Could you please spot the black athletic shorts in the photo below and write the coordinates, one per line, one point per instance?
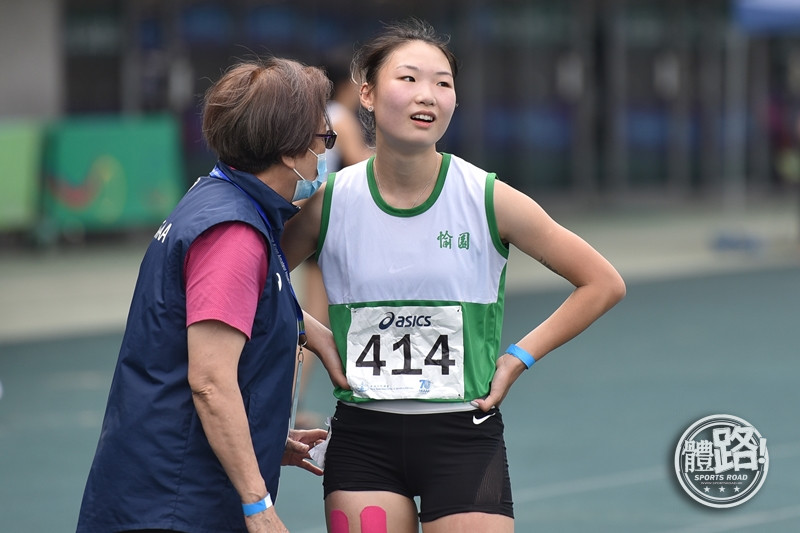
(455, 462)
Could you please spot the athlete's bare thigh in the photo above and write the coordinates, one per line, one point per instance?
(370, 512)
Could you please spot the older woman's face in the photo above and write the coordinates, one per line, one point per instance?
(307, 163)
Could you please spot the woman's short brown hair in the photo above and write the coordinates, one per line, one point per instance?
(261, 110)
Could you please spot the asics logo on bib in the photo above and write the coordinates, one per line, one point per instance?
(404, 321)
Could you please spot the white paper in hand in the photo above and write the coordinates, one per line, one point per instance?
(317, 453)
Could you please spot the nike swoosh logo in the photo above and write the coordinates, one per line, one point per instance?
(476, 420)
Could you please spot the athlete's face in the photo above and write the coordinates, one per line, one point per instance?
(413, 97)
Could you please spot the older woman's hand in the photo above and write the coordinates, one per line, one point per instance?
(298, 444)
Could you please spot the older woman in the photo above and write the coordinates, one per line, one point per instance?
(198, 414)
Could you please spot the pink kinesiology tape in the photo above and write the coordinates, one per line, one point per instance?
(373, 520)
(339, 523)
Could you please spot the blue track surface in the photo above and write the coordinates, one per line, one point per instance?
(591, 429)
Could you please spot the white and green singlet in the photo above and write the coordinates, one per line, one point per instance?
(415, 295)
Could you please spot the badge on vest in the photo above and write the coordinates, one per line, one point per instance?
(406, 352)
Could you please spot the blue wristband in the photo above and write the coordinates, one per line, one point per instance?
(254, 508)
(521, 354)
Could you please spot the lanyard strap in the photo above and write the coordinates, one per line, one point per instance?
(301, 326)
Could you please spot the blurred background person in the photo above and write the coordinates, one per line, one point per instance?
(350, 148)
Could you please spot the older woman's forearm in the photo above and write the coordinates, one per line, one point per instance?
(214, 351)
(225, 424)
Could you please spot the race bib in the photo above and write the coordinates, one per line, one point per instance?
(409, 352)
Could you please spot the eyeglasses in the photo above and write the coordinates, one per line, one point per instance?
(330, 138)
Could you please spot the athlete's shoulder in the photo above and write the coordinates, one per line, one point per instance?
(349, 176)
(461, 174)
(356, 169)
(465, 167)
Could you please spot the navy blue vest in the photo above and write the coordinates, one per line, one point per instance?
(154, 467)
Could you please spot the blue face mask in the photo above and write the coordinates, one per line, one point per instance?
(306, 188)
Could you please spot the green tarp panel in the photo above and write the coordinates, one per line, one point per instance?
(20, 156)
(111, 173)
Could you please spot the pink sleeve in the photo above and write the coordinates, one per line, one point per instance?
(225, 270)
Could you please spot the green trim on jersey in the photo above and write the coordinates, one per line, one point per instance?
(482, 322)
(421, 208)
(325, 217)
(491, 218)
(483, 325)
